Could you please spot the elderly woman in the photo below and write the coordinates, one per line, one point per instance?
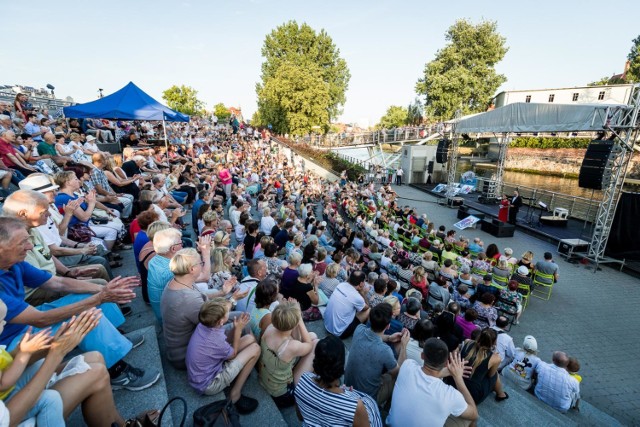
(329, 281)
(322, 401)
(487, 313)
(527, 261)
(283, 358)
(502, 270)
(181, 301)
(69, 185)
(225, 265)
(305, 291)
(275, 265)
(510, 300)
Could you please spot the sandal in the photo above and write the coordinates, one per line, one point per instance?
(500, 399)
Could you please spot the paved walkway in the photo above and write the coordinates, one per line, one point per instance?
(593, 317)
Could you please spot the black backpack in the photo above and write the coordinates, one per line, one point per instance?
(221, 413)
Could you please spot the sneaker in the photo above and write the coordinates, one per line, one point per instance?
(136, 340)
(135, 379)
(246, 405)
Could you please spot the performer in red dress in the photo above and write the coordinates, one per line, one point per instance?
(503, 213)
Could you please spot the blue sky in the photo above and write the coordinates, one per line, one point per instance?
(214, 46)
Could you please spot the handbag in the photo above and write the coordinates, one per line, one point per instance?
(221, 413)
(80, 233)
(154, 418)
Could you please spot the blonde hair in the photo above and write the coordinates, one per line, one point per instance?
(503, 264)
(286, 316)
(266, 212)
(62, 178)
(219, 237)
(332, 270)
(393, 302)
(212, 311)
(218, 257)
(298, 239)
(295, 258)
(528, 255)
(164, 239)
(156, 226)
(183, 261)
(418, 274)
(209, 216)
(428, 256)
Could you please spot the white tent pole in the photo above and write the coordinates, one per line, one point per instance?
(166, 141)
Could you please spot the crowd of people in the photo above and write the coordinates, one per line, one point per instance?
(238, 247)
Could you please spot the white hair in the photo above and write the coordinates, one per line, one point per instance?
(305, 270)
(164, 239)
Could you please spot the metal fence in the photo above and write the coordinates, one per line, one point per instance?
(579, 207)
(382, 136)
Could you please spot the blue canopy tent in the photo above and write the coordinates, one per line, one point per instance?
(129, 103)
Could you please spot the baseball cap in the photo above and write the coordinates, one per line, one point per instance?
(530, 343)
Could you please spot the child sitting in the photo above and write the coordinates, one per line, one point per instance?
(213, 363)
(573, 367)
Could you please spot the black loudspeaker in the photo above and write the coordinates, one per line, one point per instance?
(442, 152)
(430, 166)
(502, 229)
(595, 171)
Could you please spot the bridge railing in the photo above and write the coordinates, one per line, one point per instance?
(383, 136)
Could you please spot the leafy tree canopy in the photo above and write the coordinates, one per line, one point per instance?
(463, 76)
(304, 80)
(395, 117)
(183, 99)
(633, 74)
(221, 112)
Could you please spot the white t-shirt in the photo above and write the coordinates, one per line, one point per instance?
(266, 224)
(437, 399)
(343, 305)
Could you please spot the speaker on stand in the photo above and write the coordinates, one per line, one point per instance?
(442, 152)
(595, 171)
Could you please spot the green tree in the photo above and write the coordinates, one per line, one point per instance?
(415, 113)
(304, 80)
(183, 99)
(395, 117)
(221, 112)
(602, 81)
(462, 76)
(633, 74)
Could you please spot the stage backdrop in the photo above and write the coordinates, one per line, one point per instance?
(624, 239)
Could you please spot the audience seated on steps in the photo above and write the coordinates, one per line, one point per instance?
(80, 295)
(372, 367)
(219, 357)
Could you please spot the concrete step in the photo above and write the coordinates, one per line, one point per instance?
(132, 403)
(523, 408)
(266, 414)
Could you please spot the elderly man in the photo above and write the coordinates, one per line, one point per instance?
(5, 122)
(54, 232)
(166, 243)
(10, 155)
(347, 307)
(103, 188)
(15, 274)
(555, 386)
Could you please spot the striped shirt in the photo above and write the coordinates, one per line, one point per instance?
(320, 408)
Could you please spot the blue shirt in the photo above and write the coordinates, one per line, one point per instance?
(62, 199)
(31, 128)
(141, 240)
(194, 213)
(158, 279)
(12, 283)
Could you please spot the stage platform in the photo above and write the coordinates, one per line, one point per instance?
(527, 218)
(528, 223)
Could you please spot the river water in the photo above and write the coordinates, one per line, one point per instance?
(551, 183)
